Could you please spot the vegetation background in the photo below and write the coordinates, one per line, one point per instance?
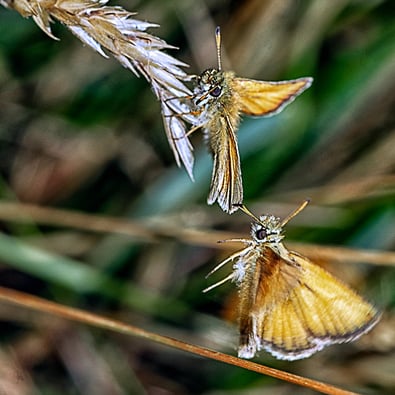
(79, 132)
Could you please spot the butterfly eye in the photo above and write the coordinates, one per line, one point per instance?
(216, 91)
(261, 234)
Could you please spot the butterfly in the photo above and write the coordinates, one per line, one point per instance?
(289, 306)
(219, 98)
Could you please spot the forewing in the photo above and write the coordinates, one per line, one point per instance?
(264, 98)
(318, 311)
(226, 184)
(334, 312)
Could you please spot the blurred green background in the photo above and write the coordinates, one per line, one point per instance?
(79, 132)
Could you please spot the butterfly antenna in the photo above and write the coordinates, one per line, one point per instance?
(218, 44)
(245, 210)
(295, 212)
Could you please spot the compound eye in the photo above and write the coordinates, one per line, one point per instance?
(216, 91)
(261, 234)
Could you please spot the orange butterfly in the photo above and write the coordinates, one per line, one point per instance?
(289, 306)
(220, 97)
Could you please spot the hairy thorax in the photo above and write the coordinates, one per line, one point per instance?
(217, 102)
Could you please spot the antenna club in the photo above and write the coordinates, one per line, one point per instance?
(218, 44)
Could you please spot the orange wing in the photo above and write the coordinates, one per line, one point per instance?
(315, 311)
(264, 98)
(226, 184)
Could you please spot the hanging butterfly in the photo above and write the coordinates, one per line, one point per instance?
(219, 99)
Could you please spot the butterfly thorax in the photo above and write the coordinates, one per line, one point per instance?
(267, 234)
(217, 103)
(267, 276)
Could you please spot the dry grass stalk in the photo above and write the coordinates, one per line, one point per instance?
(112, 29)
(152, 231)
(31, 302)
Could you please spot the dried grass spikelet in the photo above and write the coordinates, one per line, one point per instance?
(114, 29)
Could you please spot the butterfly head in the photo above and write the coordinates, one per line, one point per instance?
(210, 86)
(268, 229)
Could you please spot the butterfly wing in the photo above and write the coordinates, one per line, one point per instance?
(300, 308)
(264, 98)
(226, 184)
(267, 283)
(176, 133)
